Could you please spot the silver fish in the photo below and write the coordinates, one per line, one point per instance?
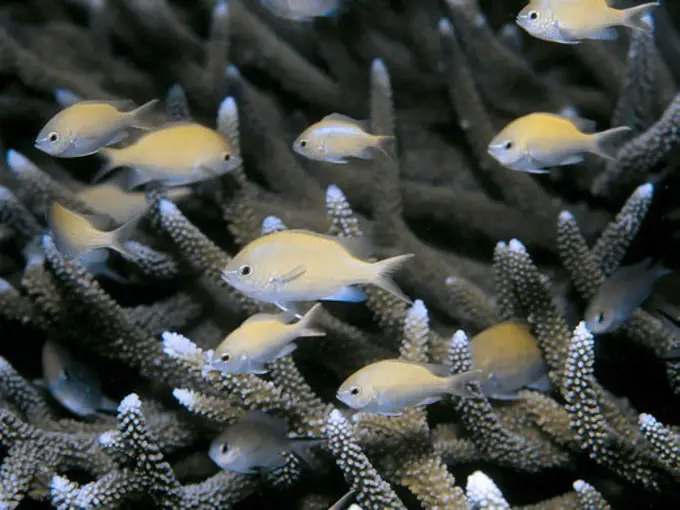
(302, 10)
(299, 265)
(76, 236)
(620, 295)
(178, 154)
(257, 443)
(336, 137)
(74, 385)
(262, 339)
(387, 386)
(85, 127)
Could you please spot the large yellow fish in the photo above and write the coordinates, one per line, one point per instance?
(387, 386)
(571, 21)
(336, 137)
(299, 265)
(87, 126)
(76, 236)
(175, 155)
(539, 141)
(261, 339)
(509, 354)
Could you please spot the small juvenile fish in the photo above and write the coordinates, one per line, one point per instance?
(571, 21)
(87, 126)
(336, 137)
(76, 236)
(299, 265)
(74, 385)
(541, 140)
(261, 339)
(509, 354)
(302, 10)
(111, 199)
(620, 294)
(257, 443)
(175, 155)
(387, 386)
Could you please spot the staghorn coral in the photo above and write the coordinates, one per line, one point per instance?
(491, 245)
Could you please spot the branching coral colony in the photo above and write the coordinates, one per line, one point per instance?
(491, 245)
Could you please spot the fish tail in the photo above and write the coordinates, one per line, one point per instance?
(607, 143)
(384, 271)
(639, 17)
(110, 156)
(309, 318)
(118, 236)
(458, 384)
(302, 446)
(137, 114)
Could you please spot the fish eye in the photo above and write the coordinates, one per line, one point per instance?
(303, 143)
(354, 391)
(600, 317)
(53, 137)
(225, 357)
(534, 15)
(245, 270)
(65, 374)
(226, 156)
(508, 145)
(224, 448)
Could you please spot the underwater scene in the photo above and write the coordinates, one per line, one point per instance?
(339, 254)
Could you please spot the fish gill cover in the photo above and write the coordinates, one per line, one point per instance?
(490, 244)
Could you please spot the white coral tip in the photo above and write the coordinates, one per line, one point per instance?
(645, 190)
(108, 438)
(334, 193)
(61, 484)
(418, 312)
(178, 346)
(130, 403)
(185, 397)
(165, 206)
(17, 161)
(221, 9)
(647, 421)
(227, 107)
(272, 224)
(482, 488)
(566, 216)
(516, 245)
(459, 339)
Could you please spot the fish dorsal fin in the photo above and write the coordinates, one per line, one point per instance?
(438, 369)
(265, 419)
(261, 317)
(582, 124)
(360, 247)
(119, 104)
(339, 117)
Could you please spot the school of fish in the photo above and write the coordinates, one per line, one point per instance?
(292, 268)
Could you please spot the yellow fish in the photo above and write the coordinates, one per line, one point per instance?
(262, 339)
(76, 236)
(509, 354)
(541, 140)
(387, 386)
(175, 155)
(299, 265)
(87, 126)
(571, 21)
(336, 137)
(111, 199)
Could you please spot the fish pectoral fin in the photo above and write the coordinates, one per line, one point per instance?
(335, 159)
(348, 294)
(288, 349)
(572, 160)
(565, 36)
(258, 369)
(119, 137)
(510, 395)
(339, 117)
(385, 413)
(290, 276)
(429, 400)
